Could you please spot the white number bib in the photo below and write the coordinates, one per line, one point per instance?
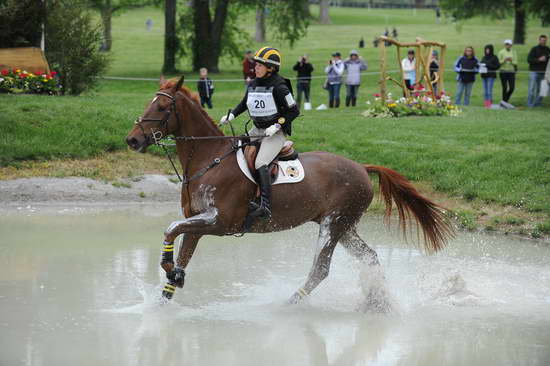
(261, 103)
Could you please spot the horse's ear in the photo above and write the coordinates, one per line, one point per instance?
(162, 80)
(180, 83)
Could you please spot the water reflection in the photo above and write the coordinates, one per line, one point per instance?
(83, 289)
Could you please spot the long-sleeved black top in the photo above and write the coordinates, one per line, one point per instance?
(280, 96)
(534, 55)
(304, 70)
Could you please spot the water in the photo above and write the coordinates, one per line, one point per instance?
(81, 286)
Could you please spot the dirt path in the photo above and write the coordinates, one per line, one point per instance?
(148, 188)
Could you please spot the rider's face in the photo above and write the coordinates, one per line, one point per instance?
(260, 69)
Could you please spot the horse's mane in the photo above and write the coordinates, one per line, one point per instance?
(194, 97)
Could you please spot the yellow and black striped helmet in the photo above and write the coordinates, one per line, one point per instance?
(268, 56)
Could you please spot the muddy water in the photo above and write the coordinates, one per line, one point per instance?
(80, 287)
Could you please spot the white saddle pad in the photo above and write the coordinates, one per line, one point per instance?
(291, 171)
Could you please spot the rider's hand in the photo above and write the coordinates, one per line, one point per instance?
(225, 119)
(272, 130)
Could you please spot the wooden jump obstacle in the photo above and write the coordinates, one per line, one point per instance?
(30, 59)
(423, 54)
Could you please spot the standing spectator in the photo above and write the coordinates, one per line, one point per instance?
(394, 33)
(508, 67)
(304, 69)
(334, 72)
(205, 86)
(434, 70)
(437, 15)
(408, 65)
(538, 59)
(149, 24)
(467, 66)
(248, 67)
(354, 65)
(489, 64)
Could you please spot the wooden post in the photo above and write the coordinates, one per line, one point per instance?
(427, 70)
(403, 85)
(383, 91)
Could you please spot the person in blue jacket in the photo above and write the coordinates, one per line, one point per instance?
(467, 66)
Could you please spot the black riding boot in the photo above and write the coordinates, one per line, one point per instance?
(348, 100)
(331, 103)
(337, 103)
(353, 101)
(264, 209)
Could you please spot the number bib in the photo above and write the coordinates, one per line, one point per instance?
(261, 104)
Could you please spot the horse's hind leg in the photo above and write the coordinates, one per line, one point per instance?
(371, 277)
(358, 248)
(329, 234)
(176, 274)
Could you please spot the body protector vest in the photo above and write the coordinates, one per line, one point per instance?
(261, 106)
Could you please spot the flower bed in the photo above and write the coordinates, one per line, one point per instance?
(21, 81)
(416, 105)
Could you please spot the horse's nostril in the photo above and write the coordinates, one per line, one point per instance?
(132, 142)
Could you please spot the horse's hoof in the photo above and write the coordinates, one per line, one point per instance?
(294, 299)
(176, 277)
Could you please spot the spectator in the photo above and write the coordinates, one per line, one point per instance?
(394, 33)
(408, 65)
(334, 72)
(437, 15)
(467, 66)
(149, 24)
(538, 59)
(205, 86)
(434, 70)
(354, 65)
(362, 43)
(488, 67)
(546, 91)
(304, 69)
(248, 67)
(508, 67)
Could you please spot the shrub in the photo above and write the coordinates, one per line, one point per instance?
(72, 45)
(21, 23)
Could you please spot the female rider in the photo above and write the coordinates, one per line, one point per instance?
(272, 108)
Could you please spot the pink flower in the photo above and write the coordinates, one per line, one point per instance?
(5, 72)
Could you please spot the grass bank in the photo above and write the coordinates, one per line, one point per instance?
(493, 167)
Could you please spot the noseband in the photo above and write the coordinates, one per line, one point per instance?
(157, 135)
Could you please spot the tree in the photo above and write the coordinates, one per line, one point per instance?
(170, 37)
(212, 28)
(464, 9)
(108, 8)
(21, 23)
(260, 23)
(324, 6)
(72, 45)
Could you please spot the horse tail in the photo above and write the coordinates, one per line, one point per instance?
(435, 225)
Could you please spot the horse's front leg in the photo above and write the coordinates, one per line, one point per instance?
(193, 228)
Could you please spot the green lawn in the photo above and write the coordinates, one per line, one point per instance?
(494, 156)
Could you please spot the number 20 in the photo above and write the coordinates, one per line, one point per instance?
(259, 104)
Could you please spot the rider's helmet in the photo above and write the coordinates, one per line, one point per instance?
(268, 56)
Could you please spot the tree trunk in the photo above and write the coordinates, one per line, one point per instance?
(208, 34)
(306, 11)
(170, 38)
(519, 22)
(106, 16)
(260, 23)
(324, 17)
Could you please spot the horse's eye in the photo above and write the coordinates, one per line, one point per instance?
(160, 108)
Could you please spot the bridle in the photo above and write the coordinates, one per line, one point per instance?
(157, 135)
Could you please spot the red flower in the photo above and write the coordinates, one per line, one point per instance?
(5, 72)
(377, 95)
(23, 75)
(53, 73)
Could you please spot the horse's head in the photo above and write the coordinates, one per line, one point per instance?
(159, 120)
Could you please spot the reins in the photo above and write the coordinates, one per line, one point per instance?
(157, 140)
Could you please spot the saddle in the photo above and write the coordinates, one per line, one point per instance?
(287, 153)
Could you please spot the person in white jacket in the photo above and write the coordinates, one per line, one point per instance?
(354, 66)
(334, 71)
(408, 65)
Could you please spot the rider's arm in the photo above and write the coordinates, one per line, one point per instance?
(284, 99)
(241, 107)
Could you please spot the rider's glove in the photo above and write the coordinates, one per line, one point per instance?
(273, 129)
(226, 119)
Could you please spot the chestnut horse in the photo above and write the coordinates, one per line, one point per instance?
(215, 194)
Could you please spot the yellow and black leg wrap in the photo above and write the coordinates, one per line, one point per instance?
(167, 253)
(168, 291)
